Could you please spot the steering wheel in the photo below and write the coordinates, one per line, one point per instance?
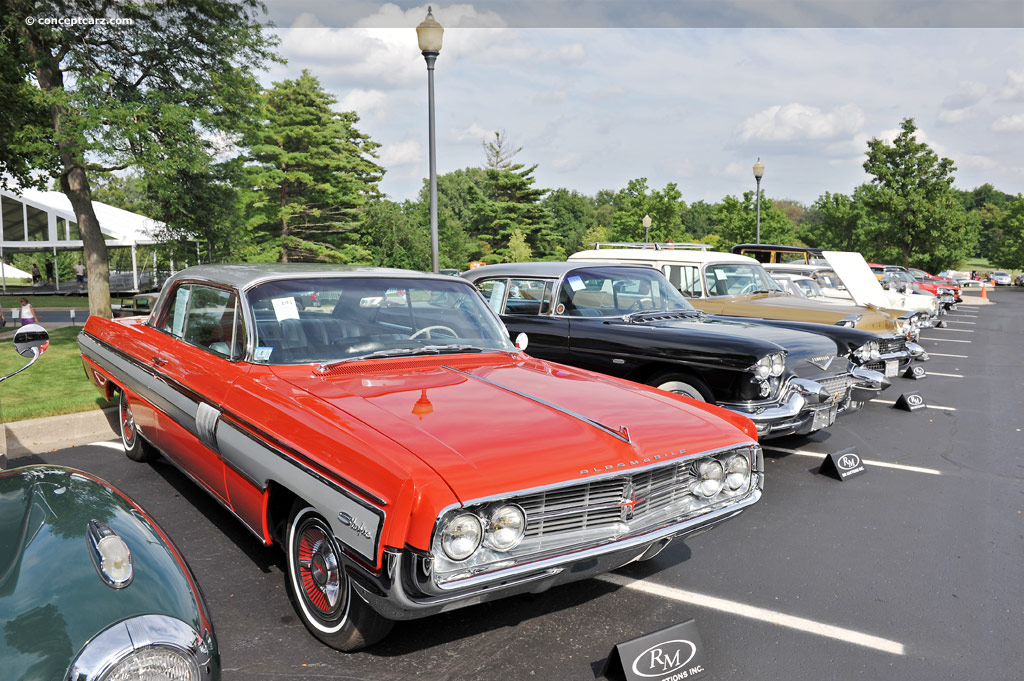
(638, 305)
(427, 329)
(750, 286)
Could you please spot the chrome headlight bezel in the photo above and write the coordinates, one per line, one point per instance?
(772, 365)
(868, 352)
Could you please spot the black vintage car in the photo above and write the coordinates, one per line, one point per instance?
(631, 322)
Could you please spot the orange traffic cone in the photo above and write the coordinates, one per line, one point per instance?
(984, 289)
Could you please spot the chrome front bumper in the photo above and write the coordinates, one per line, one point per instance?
(404, 589)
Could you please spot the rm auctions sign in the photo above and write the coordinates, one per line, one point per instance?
(672, 654)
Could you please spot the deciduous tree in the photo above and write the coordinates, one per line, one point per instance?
(142, 84)
(911, 197)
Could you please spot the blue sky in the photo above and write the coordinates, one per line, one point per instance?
(595, 106)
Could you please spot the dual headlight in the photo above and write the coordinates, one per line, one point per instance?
(501, 529)
(868, 352)
(715, 476)
(769, 365)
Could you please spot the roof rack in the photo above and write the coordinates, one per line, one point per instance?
(657, 246)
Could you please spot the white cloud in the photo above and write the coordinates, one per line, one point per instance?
(401, 153)
(1013, 91)
(569, 161)
(968, 94)
(797, 122)
(1011, 123)
(365, 102)
(573, 52)
(954, 116)
(474, 133)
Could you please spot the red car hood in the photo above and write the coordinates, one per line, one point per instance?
(490, 424)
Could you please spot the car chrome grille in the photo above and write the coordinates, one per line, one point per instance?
(601, 511)
(837, 386)
(639, 500)
(890, 345)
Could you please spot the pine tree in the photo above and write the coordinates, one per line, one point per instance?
(312, 171)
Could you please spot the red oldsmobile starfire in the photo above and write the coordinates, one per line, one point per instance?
(381, 427)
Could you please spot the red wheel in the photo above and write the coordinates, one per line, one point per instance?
(320, 587)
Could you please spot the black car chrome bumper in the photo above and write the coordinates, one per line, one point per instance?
(404, 589)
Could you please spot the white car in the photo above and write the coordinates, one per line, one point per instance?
(1000, 278)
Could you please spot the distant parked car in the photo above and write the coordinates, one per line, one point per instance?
(1018, 280)
(1000, 278)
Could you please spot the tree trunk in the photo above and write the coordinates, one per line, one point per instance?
(74, 182)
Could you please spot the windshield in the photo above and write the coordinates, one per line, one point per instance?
(737, 279)
(617, 291)
(310, 320)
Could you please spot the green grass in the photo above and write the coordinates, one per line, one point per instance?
(56, 384)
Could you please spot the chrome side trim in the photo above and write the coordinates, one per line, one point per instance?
(147, 393)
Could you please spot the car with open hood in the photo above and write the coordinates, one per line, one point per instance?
(404, 454)
(893, 293)
(629, 321)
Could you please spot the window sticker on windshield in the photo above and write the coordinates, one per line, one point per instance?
(284, 308)
(180, 306)
(575, 283)
(262, 354)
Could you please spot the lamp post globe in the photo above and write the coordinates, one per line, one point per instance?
(758, 174)
(647, 228)
(429, 34)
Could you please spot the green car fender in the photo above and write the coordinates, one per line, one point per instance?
(57, 608)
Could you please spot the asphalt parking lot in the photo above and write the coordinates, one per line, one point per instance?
(913, 570)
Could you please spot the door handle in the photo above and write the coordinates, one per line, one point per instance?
(159, 362)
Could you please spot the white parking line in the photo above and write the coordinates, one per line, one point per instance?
(973, 316)
(935, 354)
(927, 406)
(952, 329)
(108, 444)
(761, 614)
(954, 321)
(869, 462)
(936, 373)
(947, 340)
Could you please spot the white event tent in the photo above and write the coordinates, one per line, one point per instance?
(33, 220)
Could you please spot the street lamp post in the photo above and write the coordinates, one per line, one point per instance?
(429, 34)
(647, 228)
(758, 174)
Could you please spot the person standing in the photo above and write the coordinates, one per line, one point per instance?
(28, 313)
(79, 269)
(49, 271)
(36, 276)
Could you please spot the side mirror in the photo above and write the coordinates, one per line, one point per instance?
(31, 341)
(522, 340)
